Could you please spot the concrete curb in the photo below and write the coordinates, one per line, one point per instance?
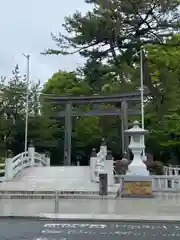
(72, 196)
(52, 197)
(17, 194)
(98, 218)
(51, 192)
(111, 217)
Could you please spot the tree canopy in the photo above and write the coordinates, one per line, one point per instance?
(12, 116)
(110, 37)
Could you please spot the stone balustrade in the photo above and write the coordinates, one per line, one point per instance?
(169, 182)
(2, 172)
(172, 170)
(102, 162)
(160, 183)
(97, 163)
(14, 165)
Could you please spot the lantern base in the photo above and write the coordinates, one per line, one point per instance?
(137, 170)
(137, 187)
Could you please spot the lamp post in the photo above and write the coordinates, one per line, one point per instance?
(27, 102)
(142, 97)
(142, 89)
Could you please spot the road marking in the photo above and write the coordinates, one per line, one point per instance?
(66, 225)
(126, 230)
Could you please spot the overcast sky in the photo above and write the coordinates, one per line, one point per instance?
(25, 28)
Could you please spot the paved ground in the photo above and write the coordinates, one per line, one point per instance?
(68, 178)
(77, 178)
(162, 206)
(54, 230)
(53, 178)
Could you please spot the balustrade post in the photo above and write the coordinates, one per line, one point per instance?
(48, 160)
(104, 148)
(56, 202)
(170, 171)
(166, 183)
(8, 169)
(109, 168)
(31, 152)
(93, 164)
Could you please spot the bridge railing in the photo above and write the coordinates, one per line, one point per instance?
(97, 162)
(172, 170)
(14, 165)
(41, 159)
(2, 172)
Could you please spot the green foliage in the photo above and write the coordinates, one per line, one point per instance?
(66, 83)
(156, 168)
(85, 130)
(163, 113)
(113, 32)
(12, 116)
(117, 25)
(109, 37)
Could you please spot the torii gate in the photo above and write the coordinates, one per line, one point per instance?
(96, 100)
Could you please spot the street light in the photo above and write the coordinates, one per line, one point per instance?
(142, 96)
(27, 102)
(141, 89)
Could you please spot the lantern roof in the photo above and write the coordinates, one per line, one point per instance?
(136, 130)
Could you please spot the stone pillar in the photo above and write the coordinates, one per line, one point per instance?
(103, 184)
(67, 134)
(103, 151)
(48, 159)
(93, 165)
(31, 152)
(109, 168)
(104, 147)
(8, 169)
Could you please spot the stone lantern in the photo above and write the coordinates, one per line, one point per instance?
(137, 167)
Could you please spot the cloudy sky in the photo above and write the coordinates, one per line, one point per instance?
(26, 27)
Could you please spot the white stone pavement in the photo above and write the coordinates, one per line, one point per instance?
(53, 178)
(77, 178)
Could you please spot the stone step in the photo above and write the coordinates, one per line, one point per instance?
(53, 193)
(47, 196)
(16, 194)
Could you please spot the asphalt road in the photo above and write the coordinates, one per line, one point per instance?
(15, 229)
